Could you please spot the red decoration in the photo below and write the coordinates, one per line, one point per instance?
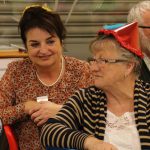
(127, 36)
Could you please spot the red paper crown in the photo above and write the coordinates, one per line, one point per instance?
(127, 36)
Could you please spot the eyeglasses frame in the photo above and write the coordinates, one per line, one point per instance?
(144, 27)
(105, 61)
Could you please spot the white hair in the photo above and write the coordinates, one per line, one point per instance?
(136, 12)
(108, 42)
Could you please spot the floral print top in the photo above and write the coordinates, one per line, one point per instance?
(20, 84)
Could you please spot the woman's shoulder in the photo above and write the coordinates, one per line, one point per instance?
(142, 87)
(91, 95)
(19, 66)
(91, 91)
(72, 62)
(17, 69)
(20, 63)
(142, 84)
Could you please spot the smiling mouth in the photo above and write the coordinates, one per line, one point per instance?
(98, 76)
(45, 57)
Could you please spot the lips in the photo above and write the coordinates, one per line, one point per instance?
(44, 57)
(97, 76)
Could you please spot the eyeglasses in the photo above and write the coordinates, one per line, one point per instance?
(104, 61)
(144, 27)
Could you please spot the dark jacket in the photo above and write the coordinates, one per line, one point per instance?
(145, 73)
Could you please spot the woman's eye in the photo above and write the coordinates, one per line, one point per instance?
(50, 41)
(34, 44)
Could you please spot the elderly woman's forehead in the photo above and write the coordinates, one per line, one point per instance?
(101, 45)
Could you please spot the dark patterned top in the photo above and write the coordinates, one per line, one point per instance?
(145, 72)
(84, 114)
(20, 84)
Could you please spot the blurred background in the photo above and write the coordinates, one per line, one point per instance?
(82, 18)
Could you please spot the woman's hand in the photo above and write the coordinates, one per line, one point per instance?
(29, 105)
(42, 112)
(92, 143)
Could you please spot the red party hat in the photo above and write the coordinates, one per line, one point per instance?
(127, 36)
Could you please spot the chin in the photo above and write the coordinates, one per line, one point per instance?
(98, 84)
(44, 64)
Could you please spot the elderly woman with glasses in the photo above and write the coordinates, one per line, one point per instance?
(115, 113)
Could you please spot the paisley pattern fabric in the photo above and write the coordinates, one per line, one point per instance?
(20, 84)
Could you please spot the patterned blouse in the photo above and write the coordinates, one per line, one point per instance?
(20, 84)
(85, 114)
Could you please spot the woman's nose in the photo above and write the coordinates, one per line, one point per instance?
(44, 48)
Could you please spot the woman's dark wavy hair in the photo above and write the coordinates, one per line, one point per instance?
(37, 16)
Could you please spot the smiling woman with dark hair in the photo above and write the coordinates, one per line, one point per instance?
(115, 113)
(34, 89)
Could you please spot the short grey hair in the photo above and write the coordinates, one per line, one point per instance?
(105, 41)
(131, 56)
(136, 12)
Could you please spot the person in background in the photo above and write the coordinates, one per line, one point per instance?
(108, 115)
(34, 89)
(141, 13)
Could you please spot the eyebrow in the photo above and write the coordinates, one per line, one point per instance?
(52, 36)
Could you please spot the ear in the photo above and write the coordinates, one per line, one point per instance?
(129, 68)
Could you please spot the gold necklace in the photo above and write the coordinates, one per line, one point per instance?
(60, 75)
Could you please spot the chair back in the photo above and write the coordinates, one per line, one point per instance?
(7, 138)
(11, 138)
(4, 145)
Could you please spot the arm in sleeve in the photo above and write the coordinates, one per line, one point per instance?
(10, 112)
(65, 130)
(148, 106)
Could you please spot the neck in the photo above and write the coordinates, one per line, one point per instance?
(124, 90)
(49, 76)
(120, 99)
(120, 91)
(48, 71)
